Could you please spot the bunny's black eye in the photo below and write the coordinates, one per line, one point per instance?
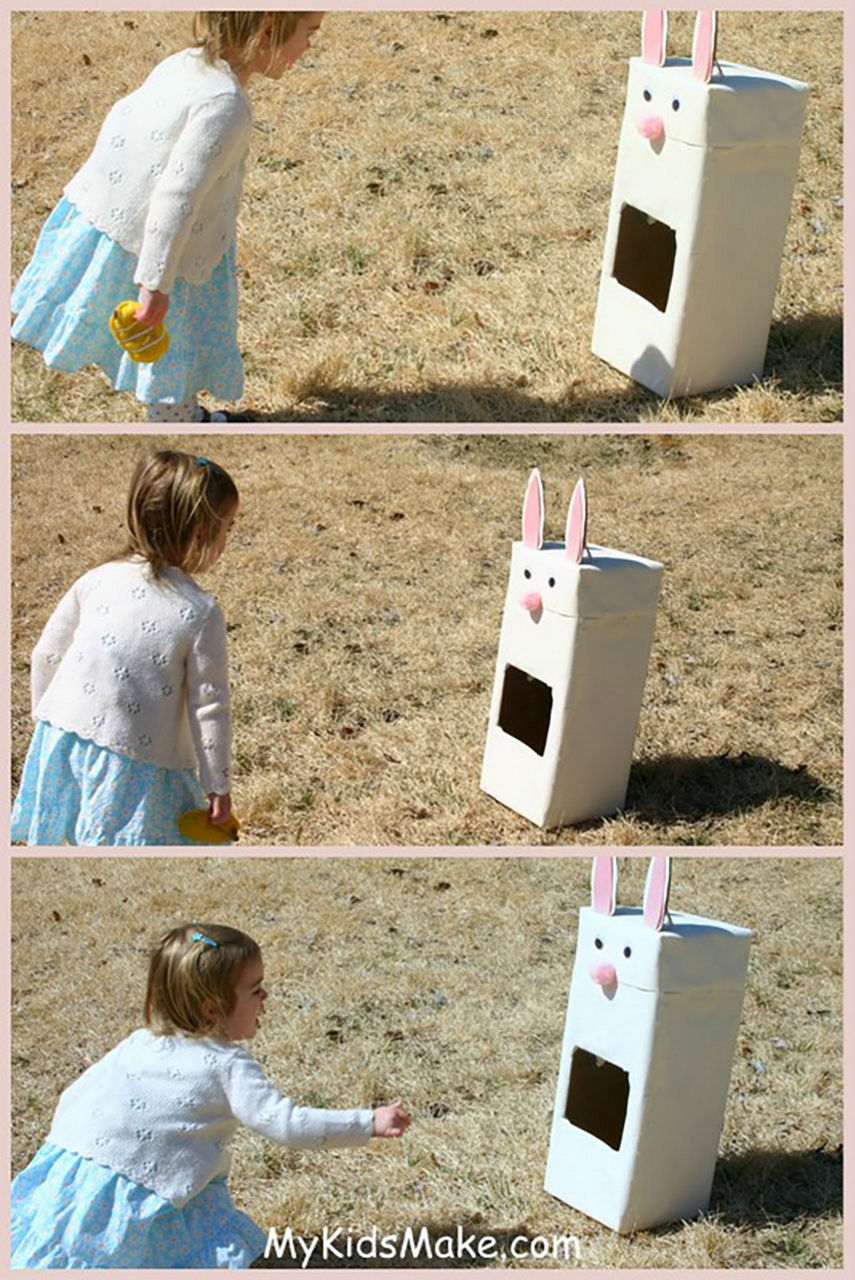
(598, 943)
(648, 96)
(675, 104)
(526, 573)
(627, 951)
(552, 582)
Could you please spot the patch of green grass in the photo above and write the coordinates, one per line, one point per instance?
(357, 259)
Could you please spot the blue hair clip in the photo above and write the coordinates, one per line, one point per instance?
(202, 937)
(206, 462)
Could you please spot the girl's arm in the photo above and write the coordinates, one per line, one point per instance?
(53, 644)
(208, 704)
(257, 1104)
(211, 144)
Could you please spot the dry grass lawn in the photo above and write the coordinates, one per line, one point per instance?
(446, 983)
(363, 587)
(424, 213)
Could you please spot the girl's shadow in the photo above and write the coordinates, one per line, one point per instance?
(804, 357)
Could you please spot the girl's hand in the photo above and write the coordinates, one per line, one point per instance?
(391, 1121)
(152, 308)
(219, 808)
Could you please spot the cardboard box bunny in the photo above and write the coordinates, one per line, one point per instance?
(574, 646)
(706, 166)
(652, 1019)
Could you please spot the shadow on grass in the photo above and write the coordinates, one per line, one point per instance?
(691, 788)
(804, 357)
(437, 1246)
(759, 1190)
(453, 402)
(768, 1187)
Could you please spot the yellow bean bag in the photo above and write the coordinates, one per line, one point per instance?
(144, 345)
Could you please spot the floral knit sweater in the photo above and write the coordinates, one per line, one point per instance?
(162, 1110)
(139, 665)
(164, 179)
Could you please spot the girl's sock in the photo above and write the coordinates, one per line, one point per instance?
(188, 410)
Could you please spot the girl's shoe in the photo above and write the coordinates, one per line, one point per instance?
(219, 415)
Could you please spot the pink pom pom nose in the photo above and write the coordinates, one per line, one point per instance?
(532, 601)
(603, 974)
(650, 127)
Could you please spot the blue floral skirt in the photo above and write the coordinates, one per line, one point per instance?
(75, 792)
(75, 279)
(69, 1212)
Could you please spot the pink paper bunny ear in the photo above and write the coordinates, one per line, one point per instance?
(703, 45)
(577, 524)
(604, 886)
(532, 514)
(654, 35)
(656, 892)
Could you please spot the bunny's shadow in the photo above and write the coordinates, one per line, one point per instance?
(777, 1187)
(691, 788)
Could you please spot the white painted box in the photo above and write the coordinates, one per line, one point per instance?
(706, 166)
(652, 1019)
(574, 646)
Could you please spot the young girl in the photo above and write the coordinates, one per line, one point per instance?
(133, 1170)
(153, 212)
(129, 678)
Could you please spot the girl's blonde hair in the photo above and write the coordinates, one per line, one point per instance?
(236, 36)
(176, 507)
(191, 978)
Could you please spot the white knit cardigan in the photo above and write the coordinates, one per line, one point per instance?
(139, 665)
(162, 1110)
(164, 180)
